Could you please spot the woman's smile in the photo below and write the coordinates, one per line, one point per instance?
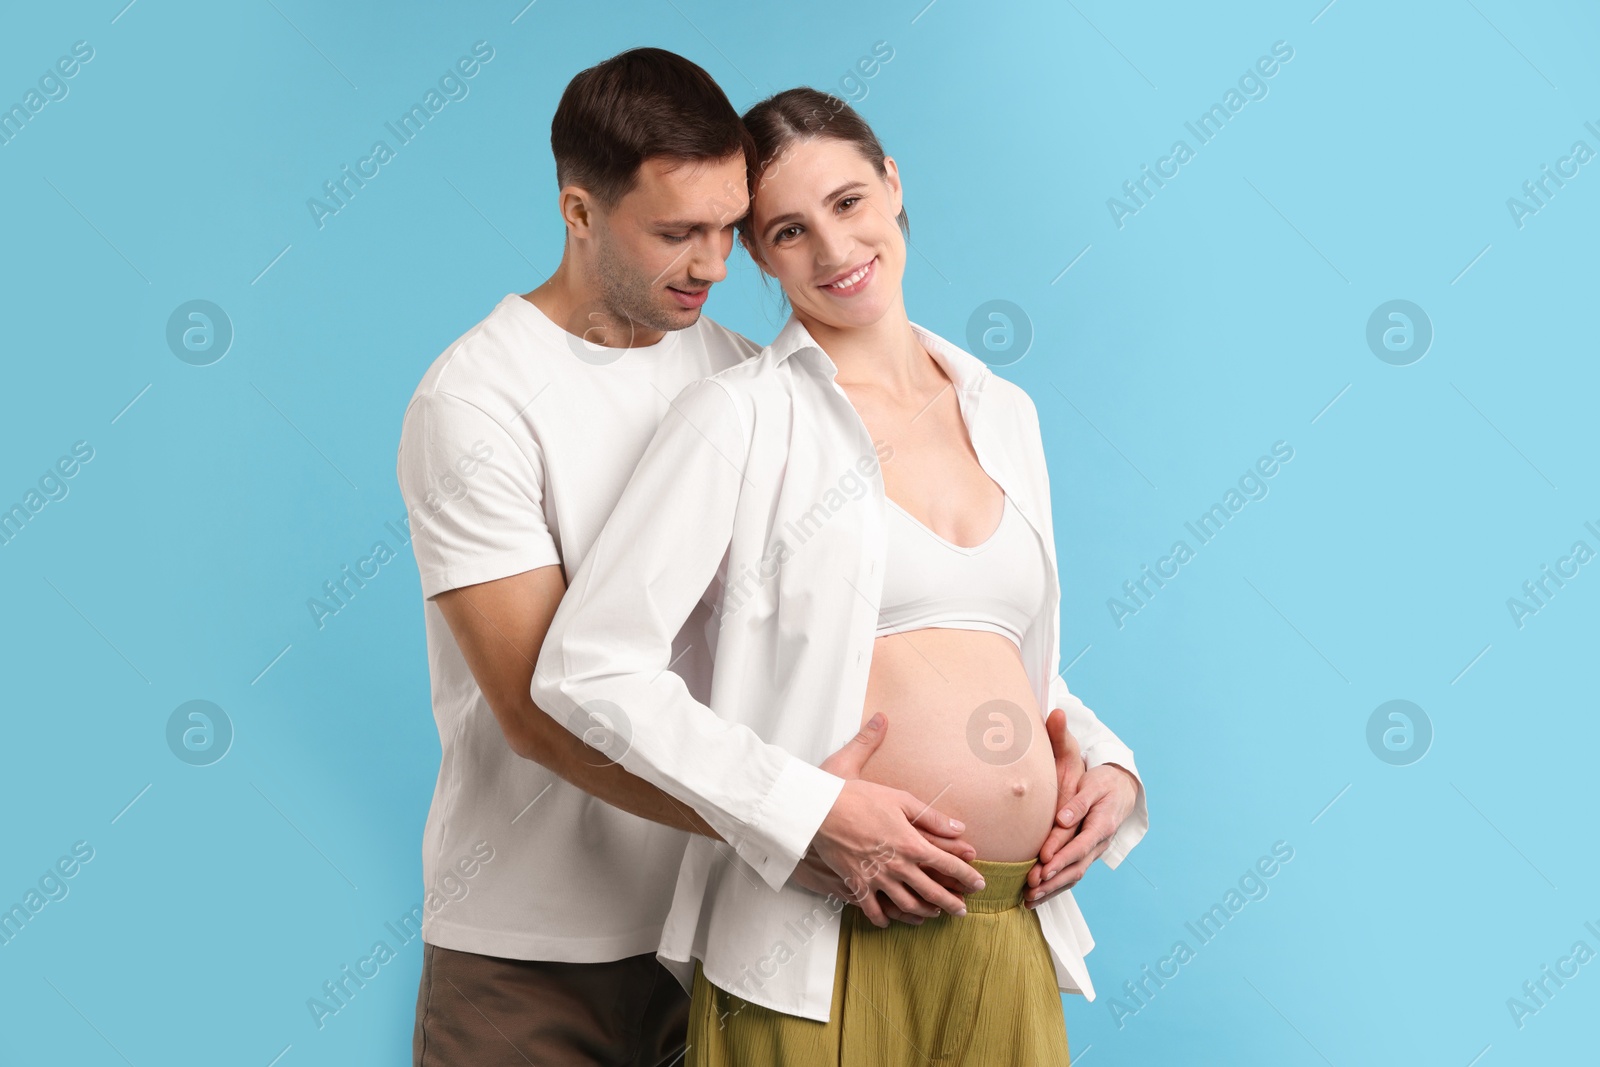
(852, 281)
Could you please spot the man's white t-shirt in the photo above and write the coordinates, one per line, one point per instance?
(514, 450)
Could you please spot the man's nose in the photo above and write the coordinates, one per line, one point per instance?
(707, 263)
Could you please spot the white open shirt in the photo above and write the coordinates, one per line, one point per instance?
(763, 485)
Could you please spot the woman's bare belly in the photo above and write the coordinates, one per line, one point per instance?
(965, 735)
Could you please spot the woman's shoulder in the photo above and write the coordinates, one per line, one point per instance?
(724, 407)
(750, 381)
(1005, 396)
(1011, 396)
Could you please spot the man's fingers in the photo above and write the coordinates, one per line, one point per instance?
(894, 914)
(848, 760)
(868, 903)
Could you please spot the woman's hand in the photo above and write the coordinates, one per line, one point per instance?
(1104, 797)
(1070, 769)
(906, 876)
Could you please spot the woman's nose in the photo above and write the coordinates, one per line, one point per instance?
(833, 247)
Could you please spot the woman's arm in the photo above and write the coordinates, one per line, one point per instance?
(604, 670)
(1099, 745)
(605, 674)
(499, 626)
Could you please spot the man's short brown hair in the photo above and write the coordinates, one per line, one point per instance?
(638, 104)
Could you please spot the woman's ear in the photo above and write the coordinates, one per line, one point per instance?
(891, 178)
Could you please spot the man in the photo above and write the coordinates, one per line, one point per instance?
(550, 869)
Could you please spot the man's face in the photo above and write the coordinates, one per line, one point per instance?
(661, 247)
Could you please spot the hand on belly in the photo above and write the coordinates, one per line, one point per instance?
(965, 735)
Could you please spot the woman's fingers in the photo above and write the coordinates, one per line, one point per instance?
(1053, 842)
(1066, 752)
(902, 896)
(1062, 880)
(1081, 802)
(930, 819)
(956, 846)
(1065, 871)
(929, 890)
(847, 761)
(941, 879)
(1070, 865)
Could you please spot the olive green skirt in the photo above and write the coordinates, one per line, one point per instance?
(977, 990)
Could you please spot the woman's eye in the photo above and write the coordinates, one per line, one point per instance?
(785, 232)
(847, 201)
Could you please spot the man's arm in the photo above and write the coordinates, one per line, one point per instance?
(499, 627)
(487, 558)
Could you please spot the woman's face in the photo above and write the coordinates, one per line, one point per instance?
(820, 217)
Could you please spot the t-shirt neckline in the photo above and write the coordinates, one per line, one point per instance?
(554, 332)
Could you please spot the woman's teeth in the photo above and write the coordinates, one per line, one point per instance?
(848, 282)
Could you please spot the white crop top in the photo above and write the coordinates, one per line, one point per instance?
(997, 586)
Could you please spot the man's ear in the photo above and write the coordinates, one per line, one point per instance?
(577, 210)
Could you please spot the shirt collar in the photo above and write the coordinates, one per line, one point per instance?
(968, 372)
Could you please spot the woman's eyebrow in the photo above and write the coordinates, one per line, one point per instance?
(795, 216)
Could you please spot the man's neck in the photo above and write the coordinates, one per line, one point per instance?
(572, 302)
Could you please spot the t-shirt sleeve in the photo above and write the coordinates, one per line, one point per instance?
(474, 498)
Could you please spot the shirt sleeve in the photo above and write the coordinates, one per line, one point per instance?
(474, 499)
(605, 672)
(1100, 746)
(1095, 739)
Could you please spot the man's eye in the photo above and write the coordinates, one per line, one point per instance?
(676, 238)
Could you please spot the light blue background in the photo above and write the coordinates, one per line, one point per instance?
(1228, 314)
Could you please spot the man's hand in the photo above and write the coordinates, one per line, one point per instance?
(1105, 797)
(876, 841)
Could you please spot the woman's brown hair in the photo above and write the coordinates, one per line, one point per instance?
(799, 114)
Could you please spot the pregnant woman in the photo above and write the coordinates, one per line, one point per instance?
(870, 508)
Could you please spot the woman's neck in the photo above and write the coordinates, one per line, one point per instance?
(885, 355)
